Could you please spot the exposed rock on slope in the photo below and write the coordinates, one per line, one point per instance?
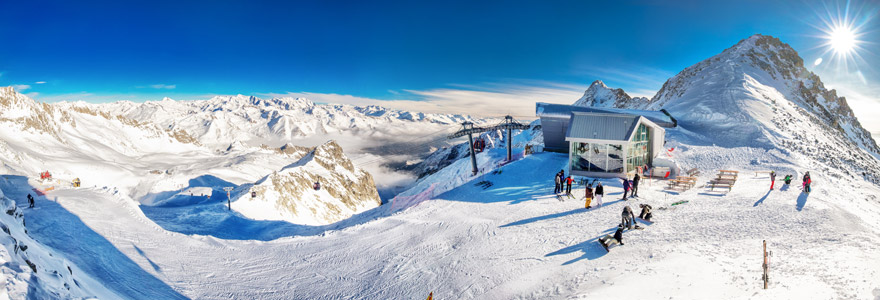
(600, 95)
(289, 194)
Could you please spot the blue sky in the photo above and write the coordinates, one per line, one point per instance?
(370, 51)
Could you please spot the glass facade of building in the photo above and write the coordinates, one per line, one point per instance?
(638, 152)
(596, 157)
(610, 158)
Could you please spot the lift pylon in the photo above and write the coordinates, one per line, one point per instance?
(467, 128)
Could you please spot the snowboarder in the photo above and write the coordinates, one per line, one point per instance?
(588, 196)
(317, 185)
(807, 182)
(568, 181)
(600, 191)
(635, 186)
(772, 179)
(608, 240)
(625, 188)
(628, 217)
(646, 212)
(30, 201)
(558, 184)
(787, 179)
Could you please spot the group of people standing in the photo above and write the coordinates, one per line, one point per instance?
(805, 183)
(631, 185)
(563, 183)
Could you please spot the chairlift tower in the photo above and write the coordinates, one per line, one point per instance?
(228, 198)
(509, 124)
(467, 128)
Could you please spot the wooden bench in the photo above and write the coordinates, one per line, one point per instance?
(693, 172)
(713, 185)
(728, 172)
(691, 181)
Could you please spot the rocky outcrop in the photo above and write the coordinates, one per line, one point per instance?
(600, 95)
(290, 194)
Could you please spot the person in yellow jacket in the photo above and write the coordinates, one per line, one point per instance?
(588, 196)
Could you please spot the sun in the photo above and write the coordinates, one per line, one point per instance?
(842, 40)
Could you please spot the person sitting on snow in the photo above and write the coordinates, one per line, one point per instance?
(646, 212)
(787, 179)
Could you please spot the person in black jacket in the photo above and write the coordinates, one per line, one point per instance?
(629, 218)
(598, 193)
(635, 187)
(30, 201)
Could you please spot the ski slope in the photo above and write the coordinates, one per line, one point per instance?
(513, 240)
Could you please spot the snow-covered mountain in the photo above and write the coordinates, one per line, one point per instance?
(600, 95)
(222, 120)
(751, 84)
(758, 93)
(289, 193)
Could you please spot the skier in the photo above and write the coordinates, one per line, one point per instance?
(625, 188)
(30, 201)
(568, 181)
(646, 212)
(317, 185)
(588, 196)
(807, 182)
(628, 217)
(772, 179)
(600, 191)
(635, 186)
(558, 184)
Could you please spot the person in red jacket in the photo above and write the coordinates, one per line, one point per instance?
(568, 182)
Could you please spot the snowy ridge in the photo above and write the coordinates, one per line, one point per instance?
(753, 77)
(222, 120)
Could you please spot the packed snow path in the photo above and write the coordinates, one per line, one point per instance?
(512, 240)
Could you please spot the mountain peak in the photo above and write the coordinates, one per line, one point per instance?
(754, 86)
(600, 95)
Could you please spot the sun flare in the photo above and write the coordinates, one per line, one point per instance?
(842, 39)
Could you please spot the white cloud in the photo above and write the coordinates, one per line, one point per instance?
(21, 87)
(486, 100)
(160, 86)
(39, 82)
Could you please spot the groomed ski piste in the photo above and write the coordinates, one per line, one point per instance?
(513, 240)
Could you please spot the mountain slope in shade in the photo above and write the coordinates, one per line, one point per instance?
(600, 95)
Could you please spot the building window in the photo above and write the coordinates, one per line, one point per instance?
(638, 154)
(596, 157)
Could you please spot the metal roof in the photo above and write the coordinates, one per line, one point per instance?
(564, 111)
(601, 126)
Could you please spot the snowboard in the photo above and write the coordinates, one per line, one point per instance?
(645, 221)
(608, 242)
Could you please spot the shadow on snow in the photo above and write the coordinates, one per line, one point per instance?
(56, 227)
(197, 215)
(590, 249)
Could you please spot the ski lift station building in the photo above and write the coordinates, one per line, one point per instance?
(604, 142)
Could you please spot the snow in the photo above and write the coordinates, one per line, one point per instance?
(139, 228)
